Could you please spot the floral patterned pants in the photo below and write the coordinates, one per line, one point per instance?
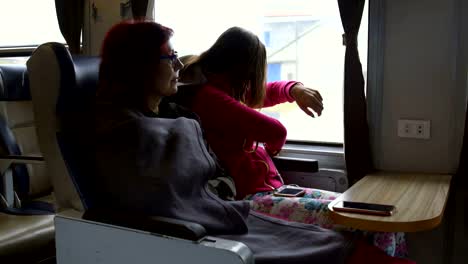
(312, 208)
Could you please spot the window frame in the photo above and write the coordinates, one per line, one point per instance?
(25, 51)
(375, 74)
(331, 155)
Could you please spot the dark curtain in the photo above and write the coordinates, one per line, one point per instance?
(139, 8)
(70, 15)
(461, 177)
(457, 187)
(356, 129)
(460, 180)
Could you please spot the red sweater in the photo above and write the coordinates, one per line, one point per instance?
(232, 129)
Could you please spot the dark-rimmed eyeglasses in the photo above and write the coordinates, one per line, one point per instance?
(172, 58)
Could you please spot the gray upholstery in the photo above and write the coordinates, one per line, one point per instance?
(26, 237)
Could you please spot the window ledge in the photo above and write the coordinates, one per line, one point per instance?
(16, 51)
(295, 148)
(330, 157)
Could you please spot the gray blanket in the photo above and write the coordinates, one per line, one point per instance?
(160, 166)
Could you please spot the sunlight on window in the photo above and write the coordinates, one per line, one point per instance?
(28, 23)
(303, 40)
(13, 60)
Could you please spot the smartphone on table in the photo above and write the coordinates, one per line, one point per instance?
(364, 208)
(290, 192)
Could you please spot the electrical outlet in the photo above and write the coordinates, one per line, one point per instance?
(420, 129)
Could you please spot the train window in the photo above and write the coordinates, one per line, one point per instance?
(13, 60)
(28, 23)
(303, 40)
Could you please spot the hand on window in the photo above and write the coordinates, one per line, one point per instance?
(307, 98)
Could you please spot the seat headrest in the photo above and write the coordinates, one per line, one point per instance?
(14, 83)
(80, 90)
(78, 79)
(74, 100)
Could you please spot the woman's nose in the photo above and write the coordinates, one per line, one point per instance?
(178, 64)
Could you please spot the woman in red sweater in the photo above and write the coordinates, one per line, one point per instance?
(232, 74)
(234, 68)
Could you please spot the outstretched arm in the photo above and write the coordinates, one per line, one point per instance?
(278, 92)
(308, 99)
(221, 112)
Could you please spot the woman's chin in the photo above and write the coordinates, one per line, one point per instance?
(171, 90)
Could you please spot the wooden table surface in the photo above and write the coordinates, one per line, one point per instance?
(419, 200)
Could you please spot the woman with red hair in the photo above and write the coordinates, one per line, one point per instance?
(138, 65)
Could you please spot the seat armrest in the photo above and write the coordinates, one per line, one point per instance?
(154, 224)
(8, 197)
(295, 164)
(21, 159)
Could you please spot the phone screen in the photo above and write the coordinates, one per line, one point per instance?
(368, 206)
(291, 191)
(365, 208)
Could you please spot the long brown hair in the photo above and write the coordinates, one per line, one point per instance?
(241, 57)
(129, 55)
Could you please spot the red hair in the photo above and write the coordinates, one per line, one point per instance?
(129, 54)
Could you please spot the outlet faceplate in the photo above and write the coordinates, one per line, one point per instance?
(420, 129)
